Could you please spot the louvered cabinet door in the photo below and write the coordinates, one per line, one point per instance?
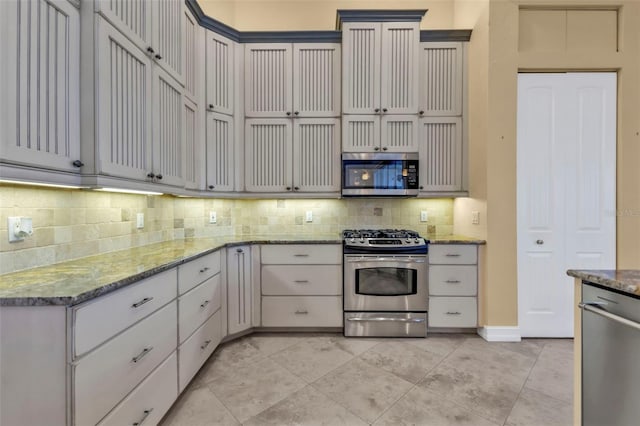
(316, 154)
(268, 81)
(361, 49)
(441, 78)
(193, 147)
(220, 152)
(399, 133)
(441, 154)
(39, 113)
(220, 76)
(194, 51)
(360, 133)
(400, 65)
(167, 129)
(124, 106)
(268, 155)
(168, 35)
(316, 80)
(131, 17)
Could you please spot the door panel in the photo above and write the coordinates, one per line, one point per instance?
(441, 78)
(316, 154)
(441, 154)
(167, 129)
(220, 75)
(361, 48)
(360, 133)
(316, 80)
(220, 152)
(268, 86)
(399, 71)
(399, 133)
(131, 17)
(268, 156)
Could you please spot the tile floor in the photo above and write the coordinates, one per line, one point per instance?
(326, 379)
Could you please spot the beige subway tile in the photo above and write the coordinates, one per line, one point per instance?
(61, 217)
(77, 216)
(6, 262)
(44, 236)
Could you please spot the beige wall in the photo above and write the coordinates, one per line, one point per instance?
(269, 15)
(70, 224)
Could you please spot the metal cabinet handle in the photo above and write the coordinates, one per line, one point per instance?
(591, 307)
(158, 57)
(211, 186)
(239, 251)
(297, 113)
(288, 188)
(301, 281)
(384, 148)
(452, 313)
(302, 312)
(300, 255)
(452, 281)
(210, 106)
(142, 354)
(420, 112)
(384, 110)
(150, 175)
(142, 302)
(539, 242)
(159, 177)
(288, 113)
(377, 148)
(206, 343)
(205, 269)
(452, 255)
(77, 163)
(144, 417)
(378, 319)
(205, 303)
(295, 188)
(150, 49)
(376, 110)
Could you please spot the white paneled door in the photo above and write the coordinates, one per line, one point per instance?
(566, 185)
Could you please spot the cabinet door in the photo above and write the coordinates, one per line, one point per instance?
(400, 63)
(399, 133)
(168, 35)
(316, 80)
(131, 17)
(194, 52)
(441, 78)
(239, 304)
(441, 154)
(39, 115)
(193, 158)
(124, 106)
(316, 154)
(220, 152)
(167, 129)
(220, 76)
(361, 48)
(268, 84)
(268, 156)
(360, 133)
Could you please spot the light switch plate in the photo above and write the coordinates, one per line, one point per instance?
(475, 217)
(309, 216)
(424, 216)
(140, 220)
(213, 217)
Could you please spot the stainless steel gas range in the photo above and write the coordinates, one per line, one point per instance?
(385, 283)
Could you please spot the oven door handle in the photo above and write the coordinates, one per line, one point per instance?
(385, 259)
(379, 319)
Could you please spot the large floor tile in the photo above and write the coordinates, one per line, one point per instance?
(534, 408)
(228, 356)
(270, 343)
(363, 389)
(553, 372)
(252, 388)
(199, 407)
(307, 407)
(402, 359)
(440, 344)
(422, 407)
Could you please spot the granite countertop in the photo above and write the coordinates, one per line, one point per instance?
(73, 282)
(625, 280)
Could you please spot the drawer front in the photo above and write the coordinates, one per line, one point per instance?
(193, 273)
(297, 254)
(122, 308)
(453, 254)
(458, 280)
(302, 311)
(299, 280)
(149, 402)
(198, 305)
(108, 374)
(197, 349)
(453, 312)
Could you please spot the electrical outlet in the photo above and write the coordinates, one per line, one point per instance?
(424, 216)
(475, 217)
(140, 220)
(309, 216)
(213, 217)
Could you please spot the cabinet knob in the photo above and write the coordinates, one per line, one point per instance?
(384, 148)
(150, 49)
(384, 110)
(239, 250)
(158, 57)
(288, 188)
(211, 186)
(150, 175)
(295, 188)
(288, 113)
(421, 187)
(210, 106)
(539, 242)
(77, 163)
(376, 110)
(296, 113)
(159, 177)
(421, 112)
(377, 148)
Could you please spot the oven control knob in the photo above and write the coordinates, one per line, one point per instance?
(408, 241)
(353, 240)
(416, 241)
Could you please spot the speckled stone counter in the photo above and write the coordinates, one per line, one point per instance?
(625, 280)
(455, 239)
(72, 282)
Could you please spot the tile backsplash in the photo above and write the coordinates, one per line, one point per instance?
(70, 224)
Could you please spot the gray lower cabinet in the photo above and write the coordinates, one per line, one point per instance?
(239, 289)
(453, 285)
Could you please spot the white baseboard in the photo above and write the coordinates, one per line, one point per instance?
(500, 334)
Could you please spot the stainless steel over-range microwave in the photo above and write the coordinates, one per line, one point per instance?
(380, 174)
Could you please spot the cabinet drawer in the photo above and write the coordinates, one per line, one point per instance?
(197, 349)
(104, 317)
(109, 373)
(302, 311)
(198, 305)
(297, 280)
(453, 254)
(455, 280)
(193, 273)
(150, 400)
(453, 312)
(292, 254)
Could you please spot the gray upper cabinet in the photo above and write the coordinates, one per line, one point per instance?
(316, 80)
(268, 82)
(220, 73)
(441, 74)
(221, 153)
(441, 154)
(40, 84)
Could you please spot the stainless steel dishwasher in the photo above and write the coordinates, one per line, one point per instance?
(610, 357)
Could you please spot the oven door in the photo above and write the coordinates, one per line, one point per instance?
(385, 283)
